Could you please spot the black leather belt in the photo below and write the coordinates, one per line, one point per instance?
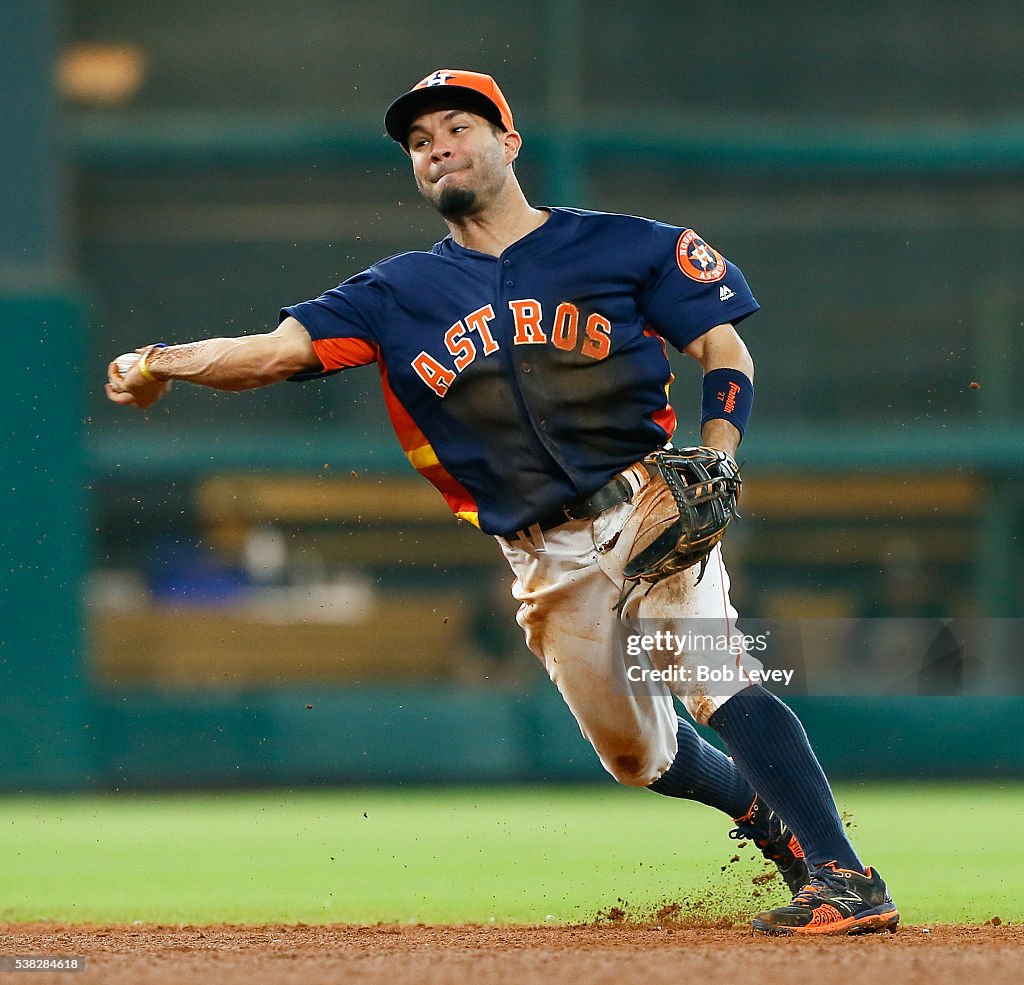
(616, 490)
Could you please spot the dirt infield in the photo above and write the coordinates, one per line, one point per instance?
(597, 954)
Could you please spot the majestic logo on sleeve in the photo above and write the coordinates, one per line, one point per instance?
(699, 260)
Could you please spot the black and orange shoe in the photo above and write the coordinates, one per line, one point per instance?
(768, 831)
(835, 901)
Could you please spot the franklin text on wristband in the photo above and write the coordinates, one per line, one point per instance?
(727, 394)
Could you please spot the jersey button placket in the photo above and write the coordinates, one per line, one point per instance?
(525, 367)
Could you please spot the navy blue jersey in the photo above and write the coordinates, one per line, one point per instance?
(519, 383)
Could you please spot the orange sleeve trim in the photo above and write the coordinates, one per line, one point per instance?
(344, 353)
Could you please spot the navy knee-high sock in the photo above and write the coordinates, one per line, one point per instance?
(771, 749)
(701, 772)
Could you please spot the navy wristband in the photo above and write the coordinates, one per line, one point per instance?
(729, 395)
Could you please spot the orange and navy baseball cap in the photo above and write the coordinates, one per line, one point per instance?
(477, 92)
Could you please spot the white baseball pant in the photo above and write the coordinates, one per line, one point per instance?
(569, 582)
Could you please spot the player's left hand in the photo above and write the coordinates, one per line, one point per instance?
(132, 388)
(704, 483)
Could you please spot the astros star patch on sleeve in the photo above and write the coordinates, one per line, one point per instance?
(699, 260)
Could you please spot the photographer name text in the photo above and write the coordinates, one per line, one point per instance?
(709, 675)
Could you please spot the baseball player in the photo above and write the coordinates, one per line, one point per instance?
(523, 363)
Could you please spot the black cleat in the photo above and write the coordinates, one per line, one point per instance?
(768, 831)
(834, 901)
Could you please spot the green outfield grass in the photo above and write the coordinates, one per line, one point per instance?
(949, 852)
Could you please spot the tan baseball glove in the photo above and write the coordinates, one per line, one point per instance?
(705, 484)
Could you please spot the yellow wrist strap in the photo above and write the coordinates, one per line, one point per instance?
(143, 367)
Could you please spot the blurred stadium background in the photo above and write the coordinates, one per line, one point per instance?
(238, 590)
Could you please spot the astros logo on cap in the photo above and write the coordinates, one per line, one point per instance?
(438, 78)
(699, 260)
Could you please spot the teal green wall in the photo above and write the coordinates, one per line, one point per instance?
(43, 708)
(371, 735)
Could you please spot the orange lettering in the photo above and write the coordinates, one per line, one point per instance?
(477, 322)
(459, 346)
(598, 342)
(730, 398)
(566, 327)
(527, 315)
(436, 376)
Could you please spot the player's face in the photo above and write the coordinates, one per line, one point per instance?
(459, 160)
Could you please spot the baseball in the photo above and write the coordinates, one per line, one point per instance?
(126, 361)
